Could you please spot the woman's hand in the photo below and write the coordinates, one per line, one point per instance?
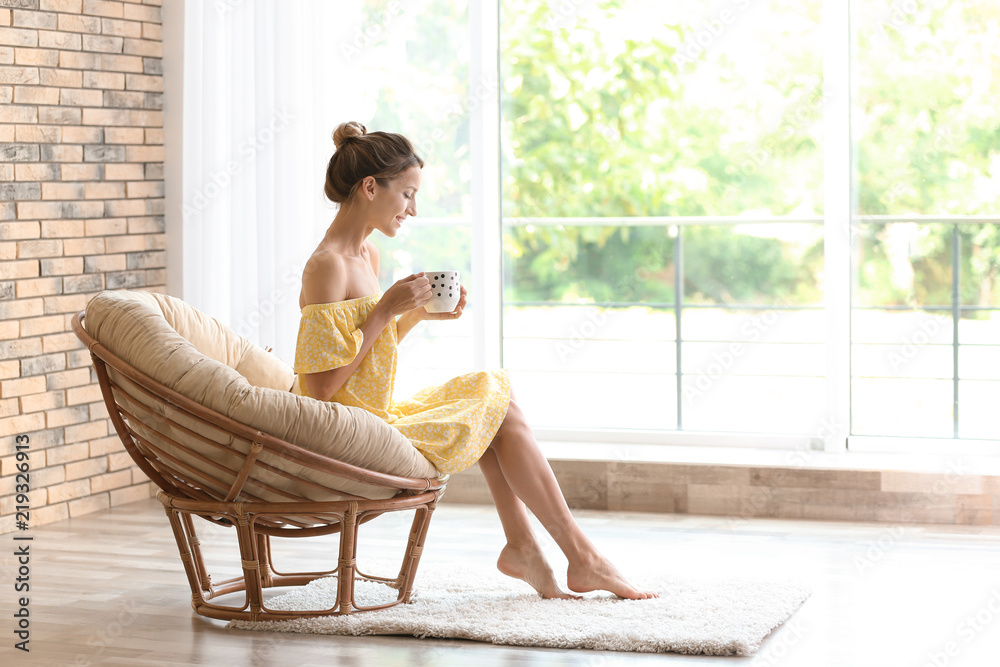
(412, 318)
(453, 315)
(406, 295)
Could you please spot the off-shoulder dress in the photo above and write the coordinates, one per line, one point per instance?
(451, 424)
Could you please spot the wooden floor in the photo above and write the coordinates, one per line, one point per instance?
(108, 589)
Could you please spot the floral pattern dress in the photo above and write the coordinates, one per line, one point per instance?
(451, 424)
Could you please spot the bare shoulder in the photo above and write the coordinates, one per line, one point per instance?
(373, 255)
(324, 278)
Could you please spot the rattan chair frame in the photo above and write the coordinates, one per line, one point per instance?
(186, 492)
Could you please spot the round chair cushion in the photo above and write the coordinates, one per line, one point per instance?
(203, 360)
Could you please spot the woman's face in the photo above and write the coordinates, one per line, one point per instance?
(390, 205)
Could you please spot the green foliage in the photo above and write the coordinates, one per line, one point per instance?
(578, 107)
(928, 144)
(980, 280)
(597, 125)
(599, 264)
(601, 119)
(724, 266)
(434, 72)
(904, 264)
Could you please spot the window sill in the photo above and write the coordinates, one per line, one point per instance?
(744, 482)
(955, 464)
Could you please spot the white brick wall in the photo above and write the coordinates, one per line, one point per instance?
(81, 210)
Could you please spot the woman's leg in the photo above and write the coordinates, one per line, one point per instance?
(522, 558)
(527, 475)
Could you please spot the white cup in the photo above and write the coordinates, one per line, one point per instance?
(446, 290)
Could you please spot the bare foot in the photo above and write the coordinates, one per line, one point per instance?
(601, 575)
(528, 564)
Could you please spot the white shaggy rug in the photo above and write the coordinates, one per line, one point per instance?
(708, 616)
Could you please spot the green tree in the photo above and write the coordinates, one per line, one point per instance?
(600, 125)
(928, 144)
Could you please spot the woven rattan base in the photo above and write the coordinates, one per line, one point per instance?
(208, 467)
(251, 522)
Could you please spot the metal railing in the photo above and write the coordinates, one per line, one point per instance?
(678, 305)
(956, 307)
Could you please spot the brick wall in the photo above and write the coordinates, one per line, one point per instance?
(81, 210)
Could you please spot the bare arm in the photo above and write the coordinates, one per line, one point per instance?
(323, 281)
(326, 384)
(409, 319)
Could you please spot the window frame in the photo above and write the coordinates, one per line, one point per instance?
(182, 32)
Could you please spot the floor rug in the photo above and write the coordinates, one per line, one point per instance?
(729, 616)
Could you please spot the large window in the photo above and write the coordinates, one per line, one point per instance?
(662, 191)
(926, 313)
(663, 194)
(729, 222)
(413, 70)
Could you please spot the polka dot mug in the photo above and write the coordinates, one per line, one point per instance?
(446, 290)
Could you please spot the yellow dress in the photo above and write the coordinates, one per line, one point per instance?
(452, 424)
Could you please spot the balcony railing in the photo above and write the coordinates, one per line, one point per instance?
(678, 306)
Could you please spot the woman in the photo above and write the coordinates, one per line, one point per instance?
(346, 352)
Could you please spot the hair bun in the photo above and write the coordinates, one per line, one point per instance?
(347, 131)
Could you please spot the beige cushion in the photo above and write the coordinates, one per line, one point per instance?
(202, 359)
(212, 338)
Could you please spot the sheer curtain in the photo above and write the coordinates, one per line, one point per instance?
(260, 104)
(264, 85)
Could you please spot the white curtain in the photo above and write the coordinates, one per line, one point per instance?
(265, 84)
(260, 104)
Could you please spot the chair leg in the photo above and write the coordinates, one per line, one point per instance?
(196, 558)
(414, 549)
(348, 559)
(251, 565)
(264, 556)
(258, 570)
(187, 559)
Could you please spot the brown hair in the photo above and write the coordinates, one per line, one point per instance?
(360, 154)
